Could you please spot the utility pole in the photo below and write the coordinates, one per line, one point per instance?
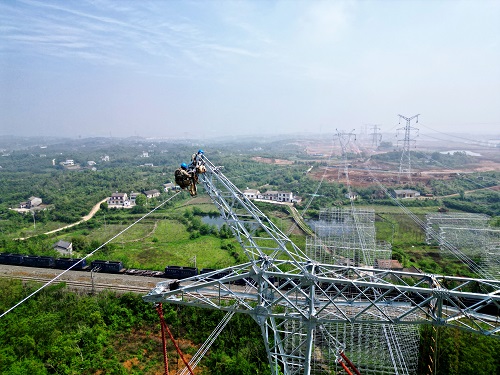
(376, 136)
(34, 221)
(92, 271)
(405, 162)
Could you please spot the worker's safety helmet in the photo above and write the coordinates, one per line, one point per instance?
(184, 166)
(200, 151)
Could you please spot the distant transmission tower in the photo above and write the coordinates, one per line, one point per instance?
(344, 140)
(376, 136)
(405, 162)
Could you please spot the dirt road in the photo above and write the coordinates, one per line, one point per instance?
(85, 218)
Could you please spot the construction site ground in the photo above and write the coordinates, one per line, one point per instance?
(364, 171)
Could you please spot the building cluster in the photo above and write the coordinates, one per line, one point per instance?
(123, 200)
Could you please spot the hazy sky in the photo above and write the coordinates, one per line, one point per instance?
(216, 68)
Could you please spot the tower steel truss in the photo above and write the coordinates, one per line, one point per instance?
(343, 237)
(470, 234)
(280, 284)
(347, 237)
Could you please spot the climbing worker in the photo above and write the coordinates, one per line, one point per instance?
(186, 178)
(196, 159)
(182, 177)
(187, 175)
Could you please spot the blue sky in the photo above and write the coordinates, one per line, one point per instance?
(216, 68)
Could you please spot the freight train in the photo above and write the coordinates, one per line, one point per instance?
(104, 266)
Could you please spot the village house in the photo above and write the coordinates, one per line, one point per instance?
(270, 195)
(63, 247)
(170, 186)
(406, 193)
(32, 202)
(278, 196)
(252, 194)
(119, 200)
(133, 196)
(352, 196)
(388, 264)
(152, 193)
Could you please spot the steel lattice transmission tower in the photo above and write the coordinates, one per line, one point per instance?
(376, 136)
(345, 140)
(296, 301)
(408, 141)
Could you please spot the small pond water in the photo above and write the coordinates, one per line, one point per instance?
(219, 221)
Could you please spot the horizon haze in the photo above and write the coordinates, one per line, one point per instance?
(172, 69)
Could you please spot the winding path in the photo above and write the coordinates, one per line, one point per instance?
(87, 217)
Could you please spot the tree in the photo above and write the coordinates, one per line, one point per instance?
(140, 200)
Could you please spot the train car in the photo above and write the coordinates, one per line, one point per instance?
(108, 266)
(178, 272)
(38, 261)
(12, 259)
(65, 263)
(217, 276)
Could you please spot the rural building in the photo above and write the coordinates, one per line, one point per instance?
(352, 196)
(252, 194)
(170, 186)
(63, 247)
(119, 200)
(406, 193)
(32, 202)
(388, 264)
(152, 193)
(278, 196)
(133, 195)
(270, 195)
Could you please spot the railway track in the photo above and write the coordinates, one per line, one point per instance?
(71, 284)
(82, 280)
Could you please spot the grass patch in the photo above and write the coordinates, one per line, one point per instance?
(166, 242)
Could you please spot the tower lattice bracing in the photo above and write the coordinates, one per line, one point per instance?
(294, 298)
(380, 348)
(347, 237)
(468, 233)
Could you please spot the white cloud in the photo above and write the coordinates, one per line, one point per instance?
(325, 21)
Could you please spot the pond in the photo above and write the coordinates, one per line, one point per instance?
(219, 221)
(213, 220)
